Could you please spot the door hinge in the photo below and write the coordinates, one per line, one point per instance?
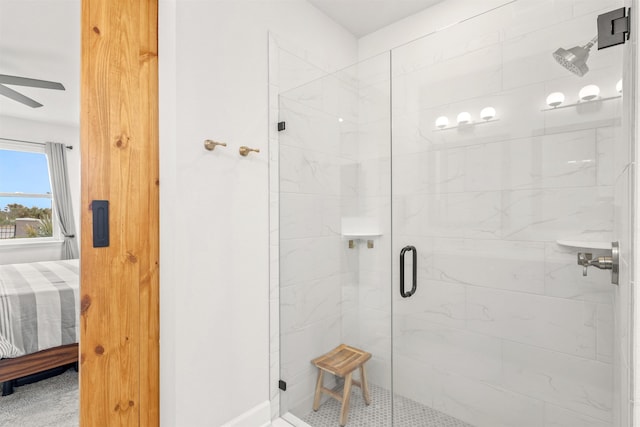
(281, 126)
(282, 385)
(613, 28)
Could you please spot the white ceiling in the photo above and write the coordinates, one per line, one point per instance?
(362, 17)
(41, 39)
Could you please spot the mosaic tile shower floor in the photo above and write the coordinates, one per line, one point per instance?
(407, 413)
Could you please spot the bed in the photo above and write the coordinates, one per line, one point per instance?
(39, 312)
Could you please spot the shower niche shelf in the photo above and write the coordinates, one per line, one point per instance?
(362, 236)
(368, 237)
(584, 244)
(360, 228)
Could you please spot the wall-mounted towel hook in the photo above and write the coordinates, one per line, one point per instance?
(211, 145)
(244, 150)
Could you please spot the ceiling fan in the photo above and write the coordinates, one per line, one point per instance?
(23, 81)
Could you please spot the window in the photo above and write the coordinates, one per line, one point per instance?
(26, 209)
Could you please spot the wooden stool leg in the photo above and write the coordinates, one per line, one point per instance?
(316, 399)
(365, 385)
(346, 396)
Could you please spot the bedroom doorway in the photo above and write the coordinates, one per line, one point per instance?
(39, 205)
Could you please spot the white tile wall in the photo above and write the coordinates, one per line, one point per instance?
(329, 293)
(305, 218)
(558, 324)
(476, 74)
(485, 404)
(437, 171)
(547, 215)
(439, 303)
(509, 265)
(605, 333)
(462, 215)
(581, 385)
(453, 350)
(485, 205)
(560, 417)
(414, 379)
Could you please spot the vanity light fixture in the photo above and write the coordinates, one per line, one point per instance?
(442, 122)
(464, 118)
(340, 119)
(589, 93)
(554, 99)
(488, 113)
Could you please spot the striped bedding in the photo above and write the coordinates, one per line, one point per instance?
(39, 306)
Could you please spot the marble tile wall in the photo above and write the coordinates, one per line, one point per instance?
(504, 329)
(331, 162)
(317, 173)
(374, 203)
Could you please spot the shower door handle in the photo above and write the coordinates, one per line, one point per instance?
(414, 285)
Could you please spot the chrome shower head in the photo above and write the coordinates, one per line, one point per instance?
(575, 59)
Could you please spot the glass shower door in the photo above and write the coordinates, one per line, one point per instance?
(498, 184)
(335, 237)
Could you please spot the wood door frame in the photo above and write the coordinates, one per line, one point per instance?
(119, 144)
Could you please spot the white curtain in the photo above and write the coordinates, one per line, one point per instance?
(57, 157)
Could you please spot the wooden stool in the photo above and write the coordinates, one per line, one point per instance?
(341, 362)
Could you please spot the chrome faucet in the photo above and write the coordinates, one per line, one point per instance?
(586, 260)
(601, 262)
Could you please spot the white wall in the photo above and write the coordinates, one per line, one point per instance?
(215, 205)
(37, 131)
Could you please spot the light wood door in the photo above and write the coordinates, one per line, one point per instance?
(119, 372)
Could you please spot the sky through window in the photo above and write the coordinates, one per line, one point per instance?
(24, 172)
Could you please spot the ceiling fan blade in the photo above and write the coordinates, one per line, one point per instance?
(17, 96)
(24, 81)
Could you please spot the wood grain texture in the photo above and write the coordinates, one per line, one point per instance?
(33, 363)
(119, 345)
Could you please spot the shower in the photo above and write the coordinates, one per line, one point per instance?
(575, 59)
(449, 253)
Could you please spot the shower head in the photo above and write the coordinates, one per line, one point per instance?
(575, 59)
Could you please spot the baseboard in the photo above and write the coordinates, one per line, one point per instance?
(259, 416)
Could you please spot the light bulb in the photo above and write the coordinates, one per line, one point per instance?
(464, 118)
(442, 122)
(589, 93)
(554, 99)
(619, 86)
(488, 113)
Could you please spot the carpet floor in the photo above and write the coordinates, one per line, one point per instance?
(49, 403)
